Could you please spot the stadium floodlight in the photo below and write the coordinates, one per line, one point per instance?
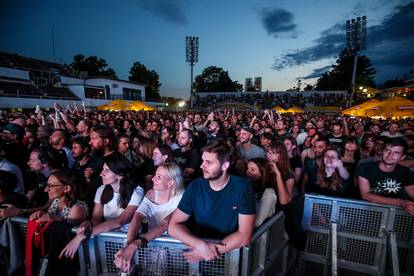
(356, 34)
(191, 55)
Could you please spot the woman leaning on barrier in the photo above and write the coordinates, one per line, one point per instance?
(259, 174)
(167, 192)
(115, 202)
(47, 232)
(291, 203)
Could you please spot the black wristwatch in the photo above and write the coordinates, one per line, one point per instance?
(144, 241)
(87, 233)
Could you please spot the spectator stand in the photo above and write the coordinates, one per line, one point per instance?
(352, 237)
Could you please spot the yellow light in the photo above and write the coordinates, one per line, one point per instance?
(361, 87)
(365, 90)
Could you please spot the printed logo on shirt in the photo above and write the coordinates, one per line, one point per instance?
(388, 186)
(234, 207)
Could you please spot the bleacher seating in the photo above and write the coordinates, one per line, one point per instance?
(268, 100)
(27, 90)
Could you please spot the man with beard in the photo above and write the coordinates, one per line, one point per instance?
(311, 166)
(223, 207)
(386, 181)
(168, 137)
(246, 149)
(58, 141)
(103, 143)
(337, 137)
(81, 152)
(281, 133)
(186, 156)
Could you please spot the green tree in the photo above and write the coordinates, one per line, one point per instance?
(308, 87)
(340, 75)
(215, 79)
(93, 65)
(140, 73)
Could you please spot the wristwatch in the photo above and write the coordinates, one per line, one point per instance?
(144, 241)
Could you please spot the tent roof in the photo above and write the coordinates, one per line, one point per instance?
(393, 107)
(116, 105)
(357, 110)
(295, 109)
(279, 109)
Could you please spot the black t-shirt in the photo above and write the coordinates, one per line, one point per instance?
(311, 170)
(295, 162)
(282, 137)
(37, 184)
(339, 192)
(187, 159)
(389, 184)
(336, 141)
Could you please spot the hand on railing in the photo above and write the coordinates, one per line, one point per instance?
(203, 252)
(124, 256)
(408, 207)
(72, 247)
(86, 225)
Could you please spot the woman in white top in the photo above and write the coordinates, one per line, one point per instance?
(115, 202)
(167, 192)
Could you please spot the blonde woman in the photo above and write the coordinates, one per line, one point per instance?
(167, 192)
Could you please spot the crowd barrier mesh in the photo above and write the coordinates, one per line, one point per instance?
(362, 231)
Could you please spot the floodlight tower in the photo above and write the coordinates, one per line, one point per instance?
(356, 34)
(191, 55)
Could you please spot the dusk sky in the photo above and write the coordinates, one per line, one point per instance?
(280, 41)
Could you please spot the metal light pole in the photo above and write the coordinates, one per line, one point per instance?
(191, 54)
(356, 34)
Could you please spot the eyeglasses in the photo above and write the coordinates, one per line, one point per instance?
(53, 185)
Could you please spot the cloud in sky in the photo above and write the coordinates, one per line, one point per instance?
(278, 22)
(388, 44)
(170, 10)
(316, 73)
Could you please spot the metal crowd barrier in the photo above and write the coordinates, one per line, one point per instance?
(268, 251)
(353, 237)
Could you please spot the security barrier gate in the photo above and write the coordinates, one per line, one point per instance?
(370, 239)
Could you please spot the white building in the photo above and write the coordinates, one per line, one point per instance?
(27, 82)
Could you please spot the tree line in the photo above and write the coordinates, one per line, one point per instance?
(98, 67)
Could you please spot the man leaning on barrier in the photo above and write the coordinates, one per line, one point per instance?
(386, 181)
(223, 207)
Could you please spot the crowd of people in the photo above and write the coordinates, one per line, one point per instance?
(269, 100)
(196, 175)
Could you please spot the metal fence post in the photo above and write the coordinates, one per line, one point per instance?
(392, 244)
(334, 247)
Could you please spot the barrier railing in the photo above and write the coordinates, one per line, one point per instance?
(364, 232)
(164, 256)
